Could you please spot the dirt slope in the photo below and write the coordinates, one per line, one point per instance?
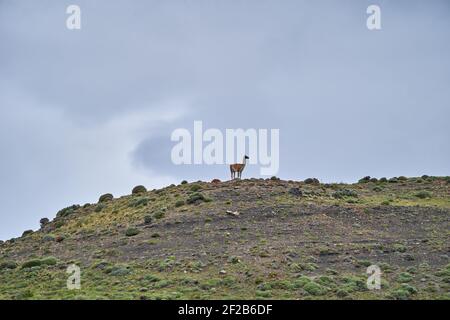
(242, 239)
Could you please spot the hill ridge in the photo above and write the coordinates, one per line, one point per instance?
(260, 235)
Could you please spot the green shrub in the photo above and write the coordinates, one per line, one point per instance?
(400, 247)
(354, 283)
(166, 264)
(374, 180)
(67, 211)
(295, 192)
(402, 178)
(194, 198)
(27, 232)
(23, 294)
(138, 190)
(300, 282)
(152, 278)
(364, 180)
(342, 293)
(404, 277)
(412, 270)
(8, 265)
(344, 193)
(400, 294)
(377, 189)
(49, 261)
(179, 203)
(325, 281)
(444, 273)
(131, 232)
(264, 286)
(159, 214)
(409, 288)
(383, 179)
(404, 292)
(331, 271)
(184, 182)
(31, 263)
(385, 267)
(148, 219)
(274, 178)
(309, 266)
(59, 224)
(99, 207)
(43, 222)
(195, 187)
(139, 202)
(393, 180)
(312, 181)
(234, 260)
(106, 197)
(263, 294)
(364, 263)
(48, 238)
(423, 194)
(118, 271)
(314, 289)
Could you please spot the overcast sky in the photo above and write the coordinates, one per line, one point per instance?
(90, 111)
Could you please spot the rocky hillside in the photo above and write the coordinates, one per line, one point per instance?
(252, 239)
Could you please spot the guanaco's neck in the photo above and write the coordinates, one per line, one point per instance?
(244, 160)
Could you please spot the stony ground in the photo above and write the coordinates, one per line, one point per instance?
(249, 239)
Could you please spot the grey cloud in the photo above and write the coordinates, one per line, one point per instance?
(348, 102)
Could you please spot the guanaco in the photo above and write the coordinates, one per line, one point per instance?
(238, 167)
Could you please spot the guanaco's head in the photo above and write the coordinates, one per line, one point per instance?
(246, 157)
